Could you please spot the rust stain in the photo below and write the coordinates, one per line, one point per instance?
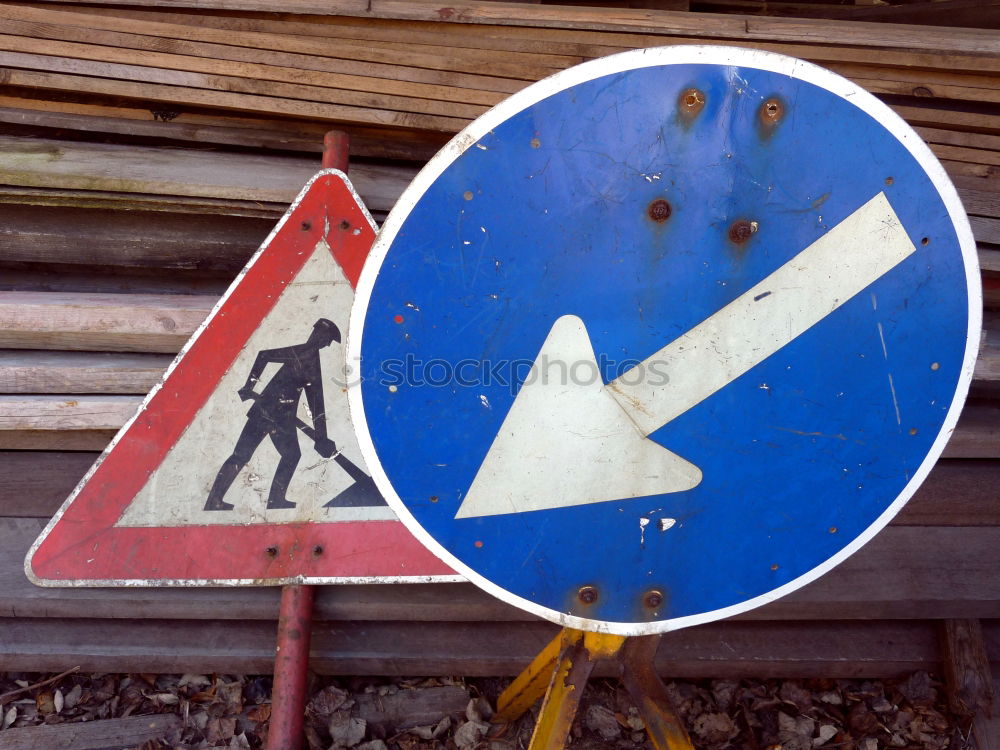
(690, 103)
(587, 595)
(741, 230)
(659, 210)
(770, 115)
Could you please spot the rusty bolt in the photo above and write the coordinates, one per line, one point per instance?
(653, 599)
(587, 594)
(659, 210)
(771, 111)
(317, 550)
(345, 225)
(306, 226)
(272, 551)
(740, 231)
(691, 102)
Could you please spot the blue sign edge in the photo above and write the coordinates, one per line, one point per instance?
(621, 62)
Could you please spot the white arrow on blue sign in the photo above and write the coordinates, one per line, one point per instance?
(665, 336)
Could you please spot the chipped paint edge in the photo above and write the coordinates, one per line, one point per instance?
(618, 63)
(140, 582)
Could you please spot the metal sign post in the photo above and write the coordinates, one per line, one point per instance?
(665, 336)
(291, 662)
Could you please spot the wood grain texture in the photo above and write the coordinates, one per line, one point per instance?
(978, 432)
(956, 493)
(35, 483)
(986, 728)
(178, 172)
(100, 322)
(270, 57)
(102, 734)
(140, 239)
(967, 674)
(545, 40)
(241, 78)
(55, 440)
(216, 128)
(66, 413)
(45, 277)
(55, 197)
(731, 649)
(897, 36)
(70, 373)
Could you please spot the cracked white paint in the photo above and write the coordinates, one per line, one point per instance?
(643, 523)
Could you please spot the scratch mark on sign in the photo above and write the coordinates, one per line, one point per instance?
(838, 436)
(895, 402)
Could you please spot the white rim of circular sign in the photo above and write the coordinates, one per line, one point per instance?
(622, 62)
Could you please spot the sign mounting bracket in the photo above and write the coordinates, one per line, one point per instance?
(566, 663)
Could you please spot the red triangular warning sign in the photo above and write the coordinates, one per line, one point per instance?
(242, 467)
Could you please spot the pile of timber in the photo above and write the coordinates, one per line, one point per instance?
(145, 152)
(403, 74)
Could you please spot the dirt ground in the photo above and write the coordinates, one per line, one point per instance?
(229, 711)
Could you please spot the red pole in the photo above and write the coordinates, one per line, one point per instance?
(291, 662)
(335, 150)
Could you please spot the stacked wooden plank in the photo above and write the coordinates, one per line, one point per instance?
(146, 152)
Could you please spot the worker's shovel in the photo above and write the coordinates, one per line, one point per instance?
(362, 493)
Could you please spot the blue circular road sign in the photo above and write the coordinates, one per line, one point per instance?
(665, 336)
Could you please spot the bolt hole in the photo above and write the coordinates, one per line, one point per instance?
(925, 241)
(771, 110)
(888, 180)
(659, 210)
(434, 498)
(692, 100)
(653, 599)
(306, 226)
(271, 551)
(317, 550)
(740, 231)
(345, 224)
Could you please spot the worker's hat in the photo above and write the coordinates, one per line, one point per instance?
(328, 327)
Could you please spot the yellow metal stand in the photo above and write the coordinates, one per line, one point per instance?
(560, 673)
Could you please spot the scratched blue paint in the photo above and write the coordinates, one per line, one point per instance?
(546, 216)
